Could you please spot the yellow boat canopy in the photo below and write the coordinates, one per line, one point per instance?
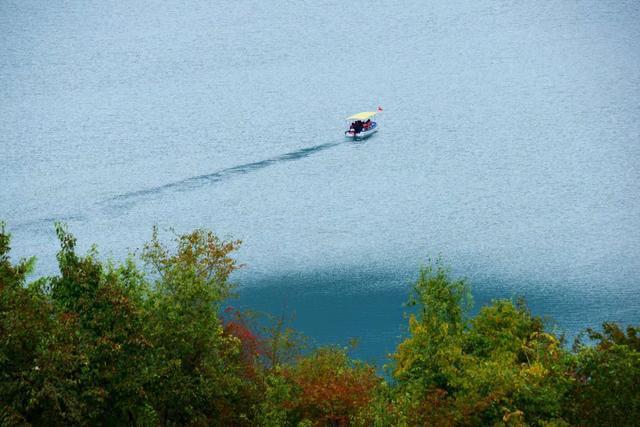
(362, 116)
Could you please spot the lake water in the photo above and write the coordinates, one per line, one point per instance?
(509, 146)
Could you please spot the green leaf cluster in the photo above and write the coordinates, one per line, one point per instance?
(502, 367)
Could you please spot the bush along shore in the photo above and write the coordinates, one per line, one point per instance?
(151, 341)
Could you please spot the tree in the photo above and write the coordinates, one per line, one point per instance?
(433, 351)
(282, 345)
(607, 379)
(323, 388)
(429, 362)
(104, 305)
(613, 334)
(24, 322)
(514, 370)
(196, 365)
(38, 351)
(500, 367)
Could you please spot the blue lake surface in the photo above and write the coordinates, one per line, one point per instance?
(509, 146)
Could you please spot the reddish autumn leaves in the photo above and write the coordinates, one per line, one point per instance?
(329, 388)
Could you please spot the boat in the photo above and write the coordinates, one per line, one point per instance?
(362, 125)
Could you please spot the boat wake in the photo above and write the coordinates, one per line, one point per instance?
(45, 225)
(130, 198)
(127, 200)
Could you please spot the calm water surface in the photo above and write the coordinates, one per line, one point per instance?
(510, 146)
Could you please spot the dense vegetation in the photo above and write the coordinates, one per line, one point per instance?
(120, 344)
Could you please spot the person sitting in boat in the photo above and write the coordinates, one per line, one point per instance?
(367, 124)
(357, 126)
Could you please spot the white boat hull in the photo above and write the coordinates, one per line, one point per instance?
(361, 135)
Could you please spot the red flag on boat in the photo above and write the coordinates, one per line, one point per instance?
(379, 108)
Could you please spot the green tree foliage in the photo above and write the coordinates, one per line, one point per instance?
(24, 325)
(497, 368)
(103, 304)
(101, 344)
(196, 367)
(113, 344)
(432, 354)
(607, 379)
(612, 334)
(514, 368)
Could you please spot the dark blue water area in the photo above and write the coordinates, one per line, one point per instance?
(332, 308)
(375, 319)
